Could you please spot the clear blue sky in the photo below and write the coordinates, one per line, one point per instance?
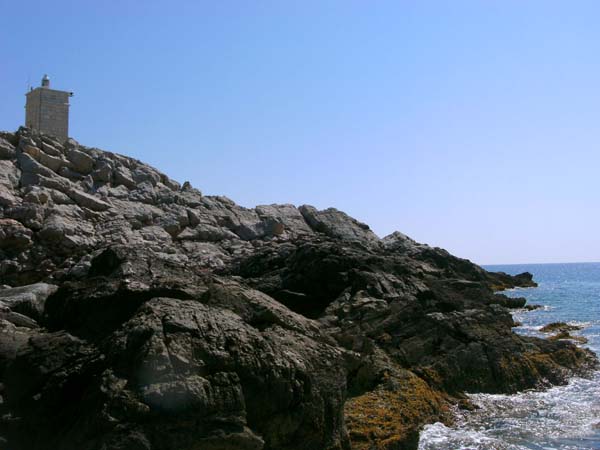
(471, 125)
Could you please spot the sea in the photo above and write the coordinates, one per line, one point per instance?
(562, 417)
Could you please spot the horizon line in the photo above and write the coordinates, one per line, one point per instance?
(539, 263)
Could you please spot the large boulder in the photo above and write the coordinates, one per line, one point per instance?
(182, 360)
(80, 161)
(282, 219)
(338, 224)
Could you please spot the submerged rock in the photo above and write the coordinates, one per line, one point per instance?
(559, 327)
(137, 313)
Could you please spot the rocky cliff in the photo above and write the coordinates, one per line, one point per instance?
(137, 313)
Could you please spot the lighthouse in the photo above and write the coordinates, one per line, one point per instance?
(47, 110)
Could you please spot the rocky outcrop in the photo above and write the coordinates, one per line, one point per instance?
(137, 313)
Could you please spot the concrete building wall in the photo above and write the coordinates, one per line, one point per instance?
(47, 110)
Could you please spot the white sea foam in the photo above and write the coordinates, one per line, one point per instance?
(562, 417)
(438, 436)
(579, 323)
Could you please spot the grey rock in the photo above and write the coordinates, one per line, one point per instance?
(17, 319)
(9, 180)
(29, 165)
(59, 197)
(144, 192)
(54, 163)
(103, 172)
(57, 183)
(70, 174)
(9, 174)
(145, 174)
(87, 200)
(283, 219)
(30, 215)
(205, 232)
(14, 339)
(28, 300)
(155, 234)
(171, 184)
(193, 217)
(122, 175)
(14, 236)
(120, 192)
(338, 224)
(36, 195)
(52, 147)
(80, 161)
(7, 150)
(7, 198)
(399, 242)
(66, 232)
(50, 141)
(71, 144)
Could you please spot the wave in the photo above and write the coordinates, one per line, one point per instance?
(562, 417)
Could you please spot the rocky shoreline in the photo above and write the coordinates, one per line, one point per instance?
(137, 313)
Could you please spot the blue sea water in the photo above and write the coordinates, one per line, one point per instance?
(563, 417)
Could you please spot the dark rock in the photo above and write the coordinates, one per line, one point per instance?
(560, 327)
(533, 307)
(509, 302)
(501, 280)
(103, 173)
(145, 315)
(565, 335)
